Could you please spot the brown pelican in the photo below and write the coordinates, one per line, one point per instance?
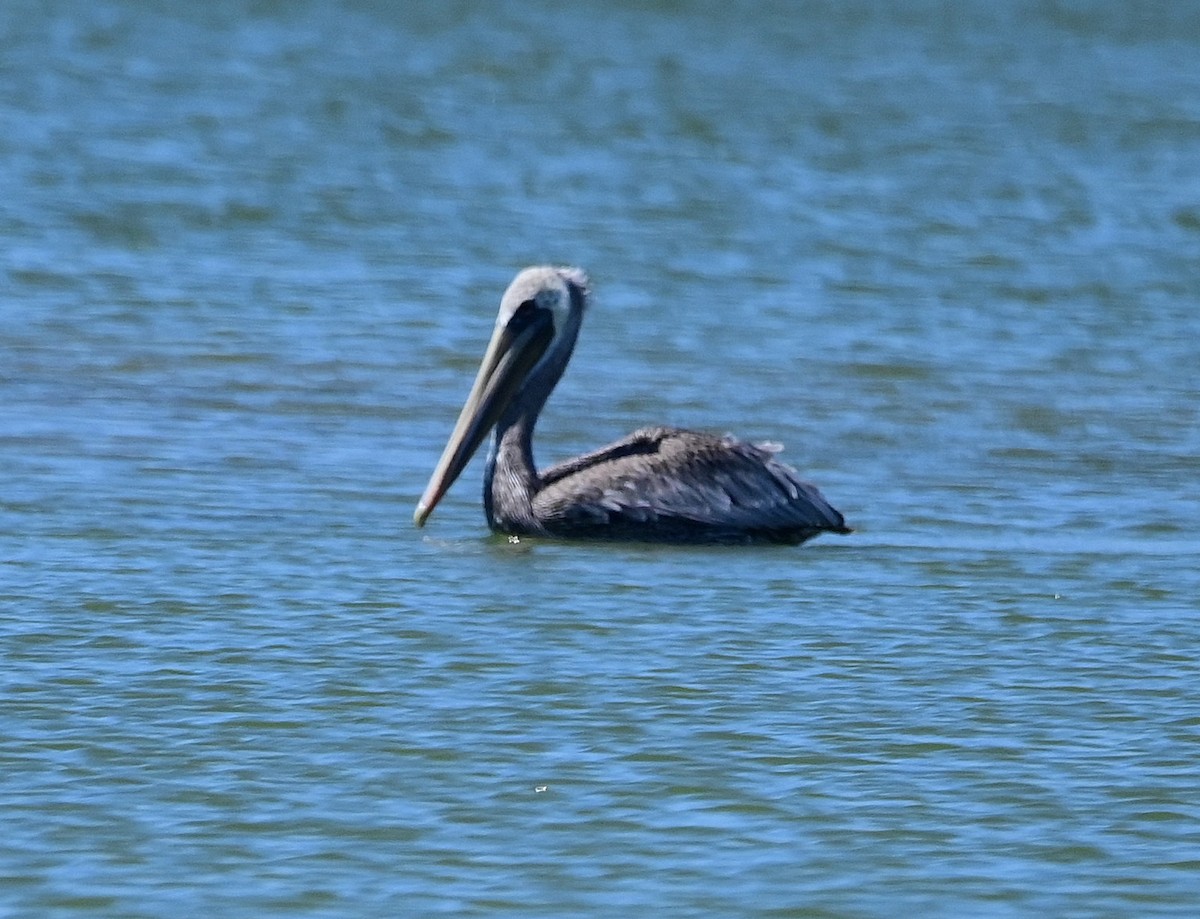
(658, 484)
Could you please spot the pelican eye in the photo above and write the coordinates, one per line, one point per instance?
(525, 315)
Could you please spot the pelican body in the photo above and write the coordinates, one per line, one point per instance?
(657, 485)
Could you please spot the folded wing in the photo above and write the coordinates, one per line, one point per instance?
(683, 485)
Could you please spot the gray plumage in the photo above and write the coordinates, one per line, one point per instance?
(658, 484)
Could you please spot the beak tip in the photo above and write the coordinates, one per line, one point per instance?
(420, 514)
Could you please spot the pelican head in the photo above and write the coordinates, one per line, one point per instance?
(539, 320)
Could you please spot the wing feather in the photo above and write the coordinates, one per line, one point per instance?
(685, 485)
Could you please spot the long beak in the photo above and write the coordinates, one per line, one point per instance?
(513, 351)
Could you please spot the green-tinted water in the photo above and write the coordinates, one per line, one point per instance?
(949, 256)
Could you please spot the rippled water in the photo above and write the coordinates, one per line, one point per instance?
(950, 256)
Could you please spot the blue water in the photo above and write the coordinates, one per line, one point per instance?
(949, 256)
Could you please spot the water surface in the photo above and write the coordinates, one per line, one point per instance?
(251, 254)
